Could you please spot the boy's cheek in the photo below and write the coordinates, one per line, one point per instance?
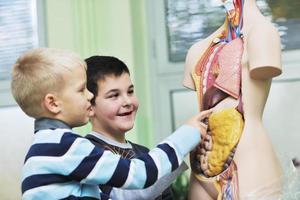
(137, 107)
(136, 104)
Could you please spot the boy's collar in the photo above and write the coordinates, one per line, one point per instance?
(110, 141)
(48, 123)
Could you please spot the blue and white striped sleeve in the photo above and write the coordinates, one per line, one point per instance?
(63, 156)
(143, 171)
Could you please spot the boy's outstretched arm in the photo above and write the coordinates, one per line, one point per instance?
(148, 168)
(84, 163)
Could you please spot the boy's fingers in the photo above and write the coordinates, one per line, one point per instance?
(204, 114)
(203, 125)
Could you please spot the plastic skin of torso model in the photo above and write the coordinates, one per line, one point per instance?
(233, 77)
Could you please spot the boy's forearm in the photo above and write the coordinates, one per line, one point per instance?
(148, 168)
(167, 156)
(184, 139)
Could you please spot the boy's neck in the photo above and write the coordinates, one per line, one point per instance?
(118, 137)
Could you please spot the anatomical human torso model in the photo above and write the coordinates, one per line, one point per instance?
(231, 71)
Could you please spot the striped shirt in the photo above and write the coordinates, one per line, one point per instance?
(63, 165)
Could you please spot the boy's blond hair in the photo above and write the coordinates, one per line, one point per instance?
(39, 72)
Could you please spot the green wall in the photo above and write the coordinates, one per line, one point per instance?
(107, 27)
(142, 73)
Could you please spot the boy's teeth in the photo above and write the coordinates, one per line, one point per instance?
(123, 114)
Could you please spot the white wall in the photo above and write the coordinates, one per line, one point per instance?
(16, 131)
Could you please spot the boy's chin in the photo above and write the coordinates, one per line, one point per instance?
(126, 128)
(82, 122)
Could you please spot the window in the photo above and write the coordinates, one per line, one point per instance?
(18, 33)
(190, 20)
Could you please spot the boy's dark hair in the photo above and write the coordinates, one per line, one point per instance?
(99, 67)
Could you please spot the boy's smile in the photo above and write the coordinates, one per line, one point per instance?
(115, 107)
(124, 114)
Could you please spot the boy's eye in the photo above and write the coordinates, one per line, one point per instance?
(130, 91)
(113, 95)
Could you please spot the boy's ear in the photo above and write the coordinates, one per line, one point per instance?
(51, 103)
(92, 111)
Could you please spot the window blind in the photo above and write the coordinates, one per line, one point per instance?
(18, 32)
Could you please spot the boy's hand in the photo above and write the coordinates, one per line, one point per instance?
(197, 123)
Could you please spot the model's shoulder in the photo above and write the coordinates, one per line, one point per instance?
(265, 35)
(195, 52)
(199, 46)
(263, 29)
(264, 50)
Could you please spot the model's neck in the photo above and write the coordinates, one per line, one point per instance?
(251, 14)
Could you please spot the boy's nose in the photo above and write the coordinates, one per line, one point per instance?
(126, 101)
